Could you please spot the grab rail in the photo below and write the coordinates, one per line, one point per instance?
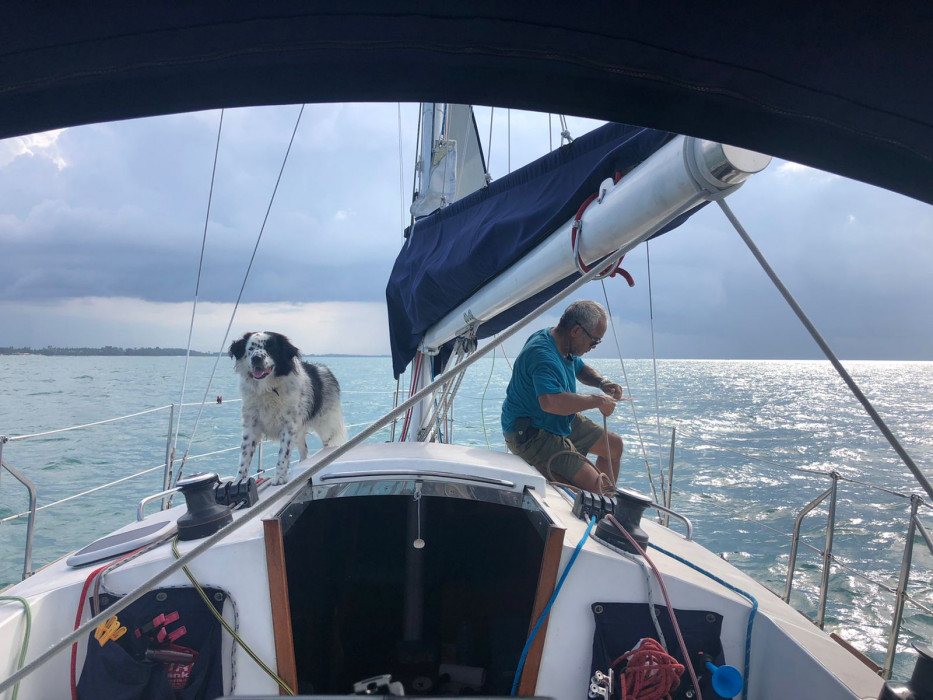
(33, 491)
(33, 497)
(900, 596)
(827, 550)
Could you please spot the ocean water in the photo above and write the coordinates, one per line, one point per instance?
(755, 442)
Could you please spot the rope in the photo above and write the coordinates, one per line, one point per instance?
(226, 625)
(576, 238)
(22, 652)
(628, 389)
(748, 596)
(667, 599)
(650, 672)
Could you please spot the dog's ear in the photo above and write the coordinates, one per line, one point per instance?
(238, 347)
(283, 352)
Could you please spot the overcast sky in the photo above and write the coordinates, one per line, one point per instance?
(101, 229)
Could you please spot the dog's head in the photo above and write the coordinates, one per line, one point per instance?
(261, 354)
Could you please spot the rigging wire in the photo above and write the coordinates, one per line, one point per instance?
(236, 305)
(401, 177)
(654, 366)
(509, 140)
(489, 142)
(628, 390)
(482, 400)
(824, 346)
(197, 287)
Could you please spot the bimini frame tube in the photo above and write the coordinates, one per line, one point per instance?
(674, 180)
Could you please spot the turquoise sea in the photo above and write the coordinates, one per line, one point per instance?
(755, 442)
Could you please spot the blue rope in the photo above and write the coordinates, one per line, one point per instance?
(749, 596)
(547, 608)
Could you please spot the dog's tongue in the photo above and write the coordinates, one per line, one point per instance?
(260, 373)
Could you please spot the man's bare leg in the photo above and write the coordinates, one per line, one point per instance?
(608, 464)
(594, 481)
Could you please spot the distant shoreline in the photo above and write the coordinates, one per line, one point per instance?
(111, 351)
(106, 351)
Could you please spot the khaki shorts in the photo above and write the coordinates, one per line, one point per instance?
(536, 446)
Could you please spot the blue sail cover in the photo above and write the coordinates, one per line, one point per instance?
(452, 253)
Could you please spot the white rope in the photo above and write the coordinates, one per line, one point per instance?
(628, 390)
(565, 132)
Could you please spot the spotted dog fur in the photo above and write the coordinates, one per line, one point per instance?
(283, 399)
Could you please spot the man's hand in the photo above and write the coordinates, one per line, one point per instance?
(611, 388)
(606, 404)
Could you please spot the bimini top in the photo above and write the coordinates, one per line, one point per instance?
(840, 86)
(452, 253)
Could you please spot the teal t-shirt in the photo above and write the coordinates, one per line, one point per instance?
(539, 369)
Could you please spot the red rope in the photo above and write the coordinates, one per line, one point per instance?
(574, 229)
(414, 380)
(651, 673)
(667, 599)
(80, 614)
(81, 603)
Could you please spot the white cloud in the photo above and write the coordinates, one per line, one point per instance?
(789, 169)
(43, 144)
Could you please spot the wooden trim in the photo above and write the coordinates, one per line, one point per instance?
(855, 652)
(278, 596)
(547, 580)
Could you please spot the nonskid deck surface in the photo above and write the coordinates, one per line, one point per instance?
(463, 600)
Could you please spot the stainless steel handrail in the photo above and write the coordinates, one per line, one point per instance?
(900, 596)
(31, 524)
(33, 492)
(795, 539)
(683, 518)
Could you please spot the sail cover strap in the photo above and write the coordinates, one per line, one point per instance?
(452, 253)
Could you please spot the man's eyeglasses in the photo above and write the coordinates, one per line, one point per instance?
(594, 341)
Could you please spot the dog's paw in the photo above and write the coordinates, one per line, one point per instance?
(280, 479)
(242, 473)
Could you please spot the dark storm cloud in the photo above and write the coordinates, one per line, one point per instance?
(855, 258)
(125, 215)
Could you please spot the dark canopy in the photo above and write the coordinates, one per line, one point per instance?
(843, 86)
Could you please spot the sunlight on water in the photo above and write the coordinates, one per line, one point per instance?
(749, 437)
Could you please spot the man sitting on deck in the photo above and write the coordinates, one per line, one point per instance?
(540, 415)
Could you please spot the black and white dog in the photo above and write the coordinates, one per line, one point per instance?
(283, 399)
